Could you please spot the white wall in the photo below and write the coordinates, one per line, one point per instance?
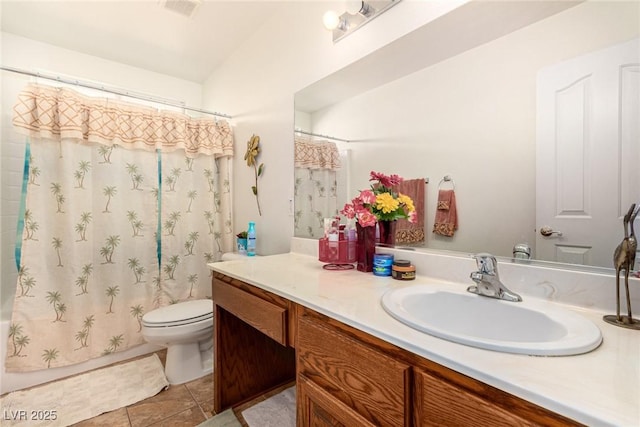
(257, 84)
(471, 116)
(19, 52)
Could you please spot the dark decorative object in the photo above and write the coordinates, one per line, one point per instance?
(387, 232)
(365, 247)
(251, 156)
(624, 259)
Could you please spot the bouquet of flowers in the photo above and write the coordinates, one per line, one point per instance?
(380, 203)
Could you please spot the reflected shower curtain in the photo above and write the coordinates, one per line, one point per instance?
(315, 199)
(315, 188)
(109, 232)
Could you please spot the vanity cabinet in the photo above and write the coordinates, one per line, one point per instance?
(344, 376)
(254, 339)
(347, 377)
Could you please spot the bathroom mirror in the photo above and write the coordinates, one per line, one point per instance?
(462, 96)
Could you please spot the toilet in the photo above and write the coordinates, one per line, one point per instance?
(186, 329)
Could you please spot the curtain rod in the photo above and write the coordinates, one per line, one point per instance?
(304, 132)
(110, 90)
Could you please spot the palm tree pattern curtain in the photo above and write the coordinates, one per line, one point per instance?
(315, 187)
(195, 224)
(109, 233)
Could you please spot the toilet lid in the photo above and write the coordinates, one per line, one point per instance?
(180, 314)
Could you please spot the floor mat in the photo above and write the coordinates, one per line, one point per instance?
(276, 411)
(84, 396)
(223, 419)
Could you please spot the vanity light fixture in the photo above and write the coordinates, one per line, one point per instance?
(361, 7)
(356, 14)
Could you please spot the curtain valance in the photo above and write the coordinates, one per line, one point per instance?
(61, 113)
(316, 154)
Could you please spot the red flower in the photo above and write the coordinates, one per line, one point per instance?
(366, 219)
(348, 211)
(367, 197)
(386, 180)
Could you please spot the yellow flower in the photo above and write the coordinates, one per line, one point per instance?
(253, 149)
(386, 203)
(406, 200)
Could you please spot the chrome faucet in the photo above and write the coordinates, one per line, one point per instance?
(488, 282)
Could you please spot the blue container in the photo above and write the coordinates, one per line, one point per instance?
(382, 264)
(251, 239)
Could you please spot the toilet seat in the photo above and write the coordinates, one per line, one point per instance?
(184, 313)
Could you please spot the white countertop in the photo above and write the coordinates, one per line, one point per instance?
(597, 388)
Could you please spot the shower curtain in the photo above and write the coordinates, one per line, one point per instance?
(123, 208)
(315, 187)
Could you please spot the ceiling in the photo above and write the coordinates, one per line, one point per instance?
(142, 33)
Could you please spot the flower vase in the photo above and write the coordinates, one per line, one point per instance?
(387, 232)
(365, 247)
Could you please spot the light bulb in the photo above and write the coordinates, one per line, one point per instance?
(330, 20)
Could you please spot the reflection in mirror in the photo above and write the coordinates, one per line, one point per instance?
(476, 116)
(318, 165)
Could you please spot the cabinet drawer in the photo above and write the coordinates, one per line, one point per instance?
(440, 403)
(365, 380)
(265, 316)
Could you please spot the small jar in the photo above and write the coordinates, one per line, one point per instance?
(382, 264)
(403, 270)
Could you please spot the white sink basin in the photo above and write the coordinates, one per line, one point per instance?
(528, 327)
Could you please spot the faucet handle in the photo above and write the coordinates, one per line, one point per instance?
(487, 263)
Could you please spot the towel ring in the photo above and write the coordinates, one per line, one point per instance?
(445, 179)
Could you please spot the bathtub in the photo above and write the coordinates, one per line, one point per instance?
(16, 381)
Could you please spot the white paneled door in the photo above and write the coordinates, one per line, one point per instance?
(587, 154)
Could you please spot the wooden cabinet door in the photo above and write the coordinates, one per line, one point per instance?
(317, 408)
(370, 382)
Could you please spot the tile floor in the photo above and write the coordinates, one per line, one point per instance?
(181, 405)
(184, 405)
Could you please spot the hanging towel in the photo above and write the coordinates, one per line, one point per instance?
(446, 221)
(406, 232)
